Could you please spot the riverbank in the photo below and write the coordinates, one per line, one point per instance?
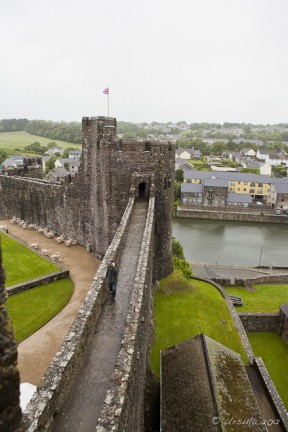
(255, 216)
(210, 271)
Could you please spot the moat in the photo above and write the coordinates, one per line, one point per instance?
(232, 243)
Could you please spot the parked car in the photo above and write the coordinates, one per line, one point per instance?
(278, 212)
(286, 211)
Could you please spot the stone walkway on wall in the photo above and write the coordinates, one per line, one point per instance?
(37, 351)
(83, 406)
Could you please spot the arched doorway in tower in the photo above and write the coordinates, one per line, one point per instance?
(142, 191)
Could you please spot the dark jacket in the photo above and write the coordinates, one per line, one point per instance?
(112, 274)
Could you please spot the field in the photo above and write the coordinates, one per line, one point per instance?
(14, 142)
(266, 298)
(274, 352)
(33, 308)
(182, 309)
(21, 263)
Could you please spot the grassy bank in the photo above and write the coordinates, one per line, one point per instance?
(21, 263)
(184, 308)
(33, 308)
(14, 142)
(274, 352)
(266, 298)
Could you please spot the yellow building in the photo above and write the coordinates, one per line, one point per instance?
(256, 185)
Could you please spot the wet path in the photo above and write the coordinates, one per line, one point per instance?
(83, 406)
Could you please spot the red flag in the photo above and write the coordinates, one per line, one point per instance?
(106, 90)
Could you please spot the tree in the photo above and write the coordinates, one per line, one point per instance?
(179, 175)
(177, 191)
(218, 147)
(36, 147)
(130, 135)
(50, 164)
(177, 249)
(3, 155)
(142, 133)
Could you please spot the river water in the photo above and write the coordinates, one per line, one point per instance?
(232, 243)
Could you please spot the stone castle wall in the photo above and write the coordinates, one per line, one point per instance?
(10, 412)
(60, 208)
(126, 394)
(89, 209)
(129, 168)
(260, 321)
(284, 322)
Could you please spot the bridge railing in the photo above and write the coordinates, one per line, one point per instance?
(59, 376)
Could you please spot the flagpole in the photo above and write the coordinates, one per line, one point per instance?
(107, 91)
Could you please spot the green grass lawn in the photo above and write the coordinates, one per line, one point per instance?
(33, 308)
(266, 298)
(11, 141)
(182, 309)
(274, 352)
(21, 263)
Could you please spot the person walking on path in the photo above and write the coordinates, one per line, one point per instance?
(112, 277)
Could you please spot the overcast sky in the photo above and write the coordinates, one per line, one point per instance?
(163, 60)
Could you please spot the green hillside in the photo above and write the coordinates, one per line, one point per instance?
(14, 142)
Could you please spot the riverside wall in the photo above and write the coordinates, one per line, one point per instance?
(267, 279)
(229, 216)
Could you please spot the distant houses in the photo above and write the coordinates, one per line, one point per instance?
(22, 165)
(54, 150)
(278, 196)
(188, 153)
(272, 157)
(226, 189)
(70, 164)
(56, 174)
(183, 164)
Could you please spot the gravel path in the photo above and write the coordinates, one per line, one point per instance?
(37, 351)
